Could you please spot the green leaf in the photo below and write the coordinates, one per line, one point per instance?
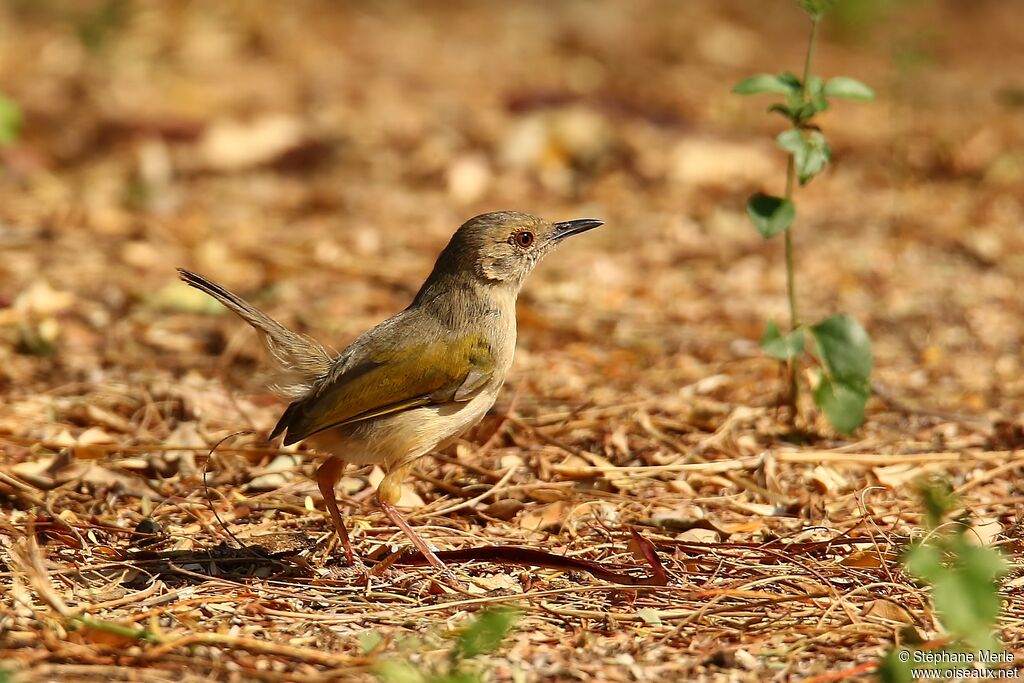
(780, 84)
(10, 121)
(810, 152)
(842, 404)
(368, 640)
(770, 215)
(848, 89)
(785, 111)
(818, 155)
(791, 141)
(816, 94)
(391, 671)
(486, 632)
(968, 609)
(963, 575)
(893, 669)
(924, 562)
(410, 644)
(458, 676)
(938, 499)
(791, 80)
(981, 563)
(816, 8)
(842, 391)
(844, 348)
(804, 113)
(783, 347)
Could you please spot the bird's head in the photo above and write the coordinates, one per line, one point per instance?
(501, 248)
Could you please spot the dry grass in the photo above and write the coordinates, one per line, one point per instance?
(637, 398)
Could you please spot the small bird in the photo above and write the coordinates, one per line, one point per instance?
(417, 380)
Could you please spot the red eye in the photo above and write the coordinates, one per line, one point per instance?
(523, 238)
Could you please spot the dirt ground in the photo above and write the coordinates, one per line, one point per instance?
(316, 156)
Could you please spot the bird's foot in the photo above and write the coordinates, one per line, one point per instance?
(351, 559)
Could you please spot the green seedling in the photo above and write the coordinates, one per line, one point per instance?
(964, 578)
(10, 121)
(841, 378)
(481, 636)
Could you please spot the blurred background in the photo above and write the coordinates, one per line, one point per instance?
(315, 156)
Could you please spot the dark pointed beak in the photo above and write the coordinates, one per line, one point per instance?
(570, 228)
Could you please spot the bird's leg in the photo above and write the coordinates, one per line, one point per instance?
(327, 476)
(388, 493)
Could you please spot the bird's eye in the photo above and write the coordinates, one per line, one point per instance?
(523, 238)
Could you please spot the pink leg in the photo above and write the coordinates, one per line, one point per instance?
(388, 493)
(395, 516)
(327, 476)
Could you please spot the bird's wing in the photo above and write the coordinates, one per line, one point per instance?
(397, 375)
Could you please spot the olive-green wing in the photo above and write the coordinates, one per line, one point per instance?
(398, 377)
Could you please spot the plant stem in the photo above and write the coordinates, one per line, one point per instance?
(794, 317)
(794, 320)
(811, 42)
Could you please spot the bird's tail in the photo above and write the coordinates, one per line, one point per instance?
(300, 360)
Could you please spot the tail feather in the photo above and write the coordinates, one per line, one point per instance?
(301, 360)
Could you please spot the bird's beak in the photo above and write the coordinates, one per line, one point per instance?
(570, 228)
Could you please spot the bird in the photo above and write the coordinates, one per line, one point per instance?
(416, 381)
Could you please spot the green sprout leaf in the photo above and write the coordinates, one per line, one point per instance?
(791, 81)
(966, 607)
(843, 388)
(964, 589)
(966, 595)
(816, 95)
(844, 348)
(391, 671)
(783, 347)
(938, 499)
(785, 111)
(369, 640)
(848, 89)
(816, 8)
(810, 152)
(486, 632)
(963, 575)
(770, 215)
(893, 669)
(10, 121)
(924, 561)
(481, 635)
(781, 84)
(981, 563)
(842, 404)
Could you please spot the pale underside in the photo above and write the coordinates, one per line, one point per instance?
(398, 439)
